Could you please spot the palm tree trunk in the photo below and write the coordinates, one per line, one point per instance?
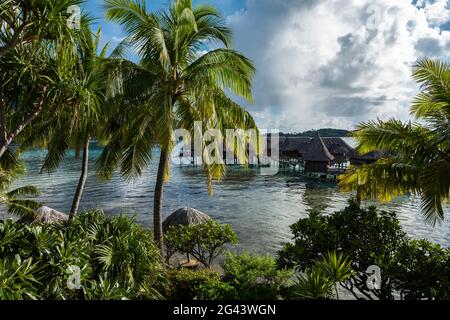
(82, 181)
(158, 200)
(358, 196)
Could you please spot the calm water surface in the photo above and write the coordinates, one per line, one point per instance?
(259, 208)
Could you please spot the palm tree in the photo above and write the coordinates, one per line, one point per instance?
(86, 88)
(13, 199)
(174, 85)
(336, 267)
(417, 160)
(24, 22)
(31, 63)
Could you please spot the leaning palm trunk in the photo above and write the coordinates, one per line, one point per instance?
(158, 199)
(81, 182)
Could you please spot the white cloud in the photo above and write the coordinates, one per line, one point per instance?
(437, 11)
(320, 64)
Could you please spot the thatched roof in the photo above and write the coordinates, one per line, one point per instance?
(338, 146)
(321, 149)
(289, 144)
(318, 151)
(185, 216)
(335, 146)
(45, 215)
(49, 215)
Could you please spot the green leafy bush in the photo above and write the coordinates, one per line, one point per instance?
(116, 258)
(421, 270)
(369, 237)
(186, 284)
(205, 242)
(255, 277)
(312, 285)
(365, 235)
(17, 280)
(319, 280)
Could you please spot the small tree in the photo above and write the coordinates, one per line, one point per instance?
(421, 270)
(205, 242)
(336, 267)
(313, 285)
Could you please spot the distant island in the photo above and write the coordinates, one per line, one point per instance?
(338, 133)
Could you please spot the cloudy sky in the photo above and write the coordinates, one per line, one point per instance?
(330, 63)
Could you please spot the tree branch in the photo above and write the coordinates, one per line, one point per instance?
(17, 37)
(31, 116)
(3, 130)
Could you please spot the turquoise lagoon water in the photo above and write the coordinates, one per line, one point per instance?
(259, 208)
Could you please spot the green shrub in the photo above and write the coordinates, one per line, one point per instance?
(366, 236)
(205, 242)
(319, 280)
(186, 284)
(421, 270)
(17, 280)
(254, 277)
(116, 257)
(217, 290)
(312, 285)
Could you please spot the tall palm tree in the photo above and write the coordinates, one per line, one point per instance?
(86, 88)
(419, 152)
(173, 86)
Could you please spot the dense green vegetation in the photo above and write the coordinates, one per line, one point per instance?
(367, 237)
(205, 242)
(117, 259)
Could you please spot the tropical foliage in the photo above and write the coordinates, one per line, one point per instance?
(34, 38)
(324, 246)
(416, 160)
(18, 201)
(255, 277)
(105, 259)
(87, 87)
(204, 284)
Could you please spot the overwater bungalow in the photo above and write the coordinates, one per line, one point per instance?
(322, 157)
(316, 154)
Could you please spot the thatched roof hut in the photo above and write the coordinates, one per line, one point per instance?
(45, 215)
(49, 215)
(185, 216)
(318, 151)
(305, 146)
